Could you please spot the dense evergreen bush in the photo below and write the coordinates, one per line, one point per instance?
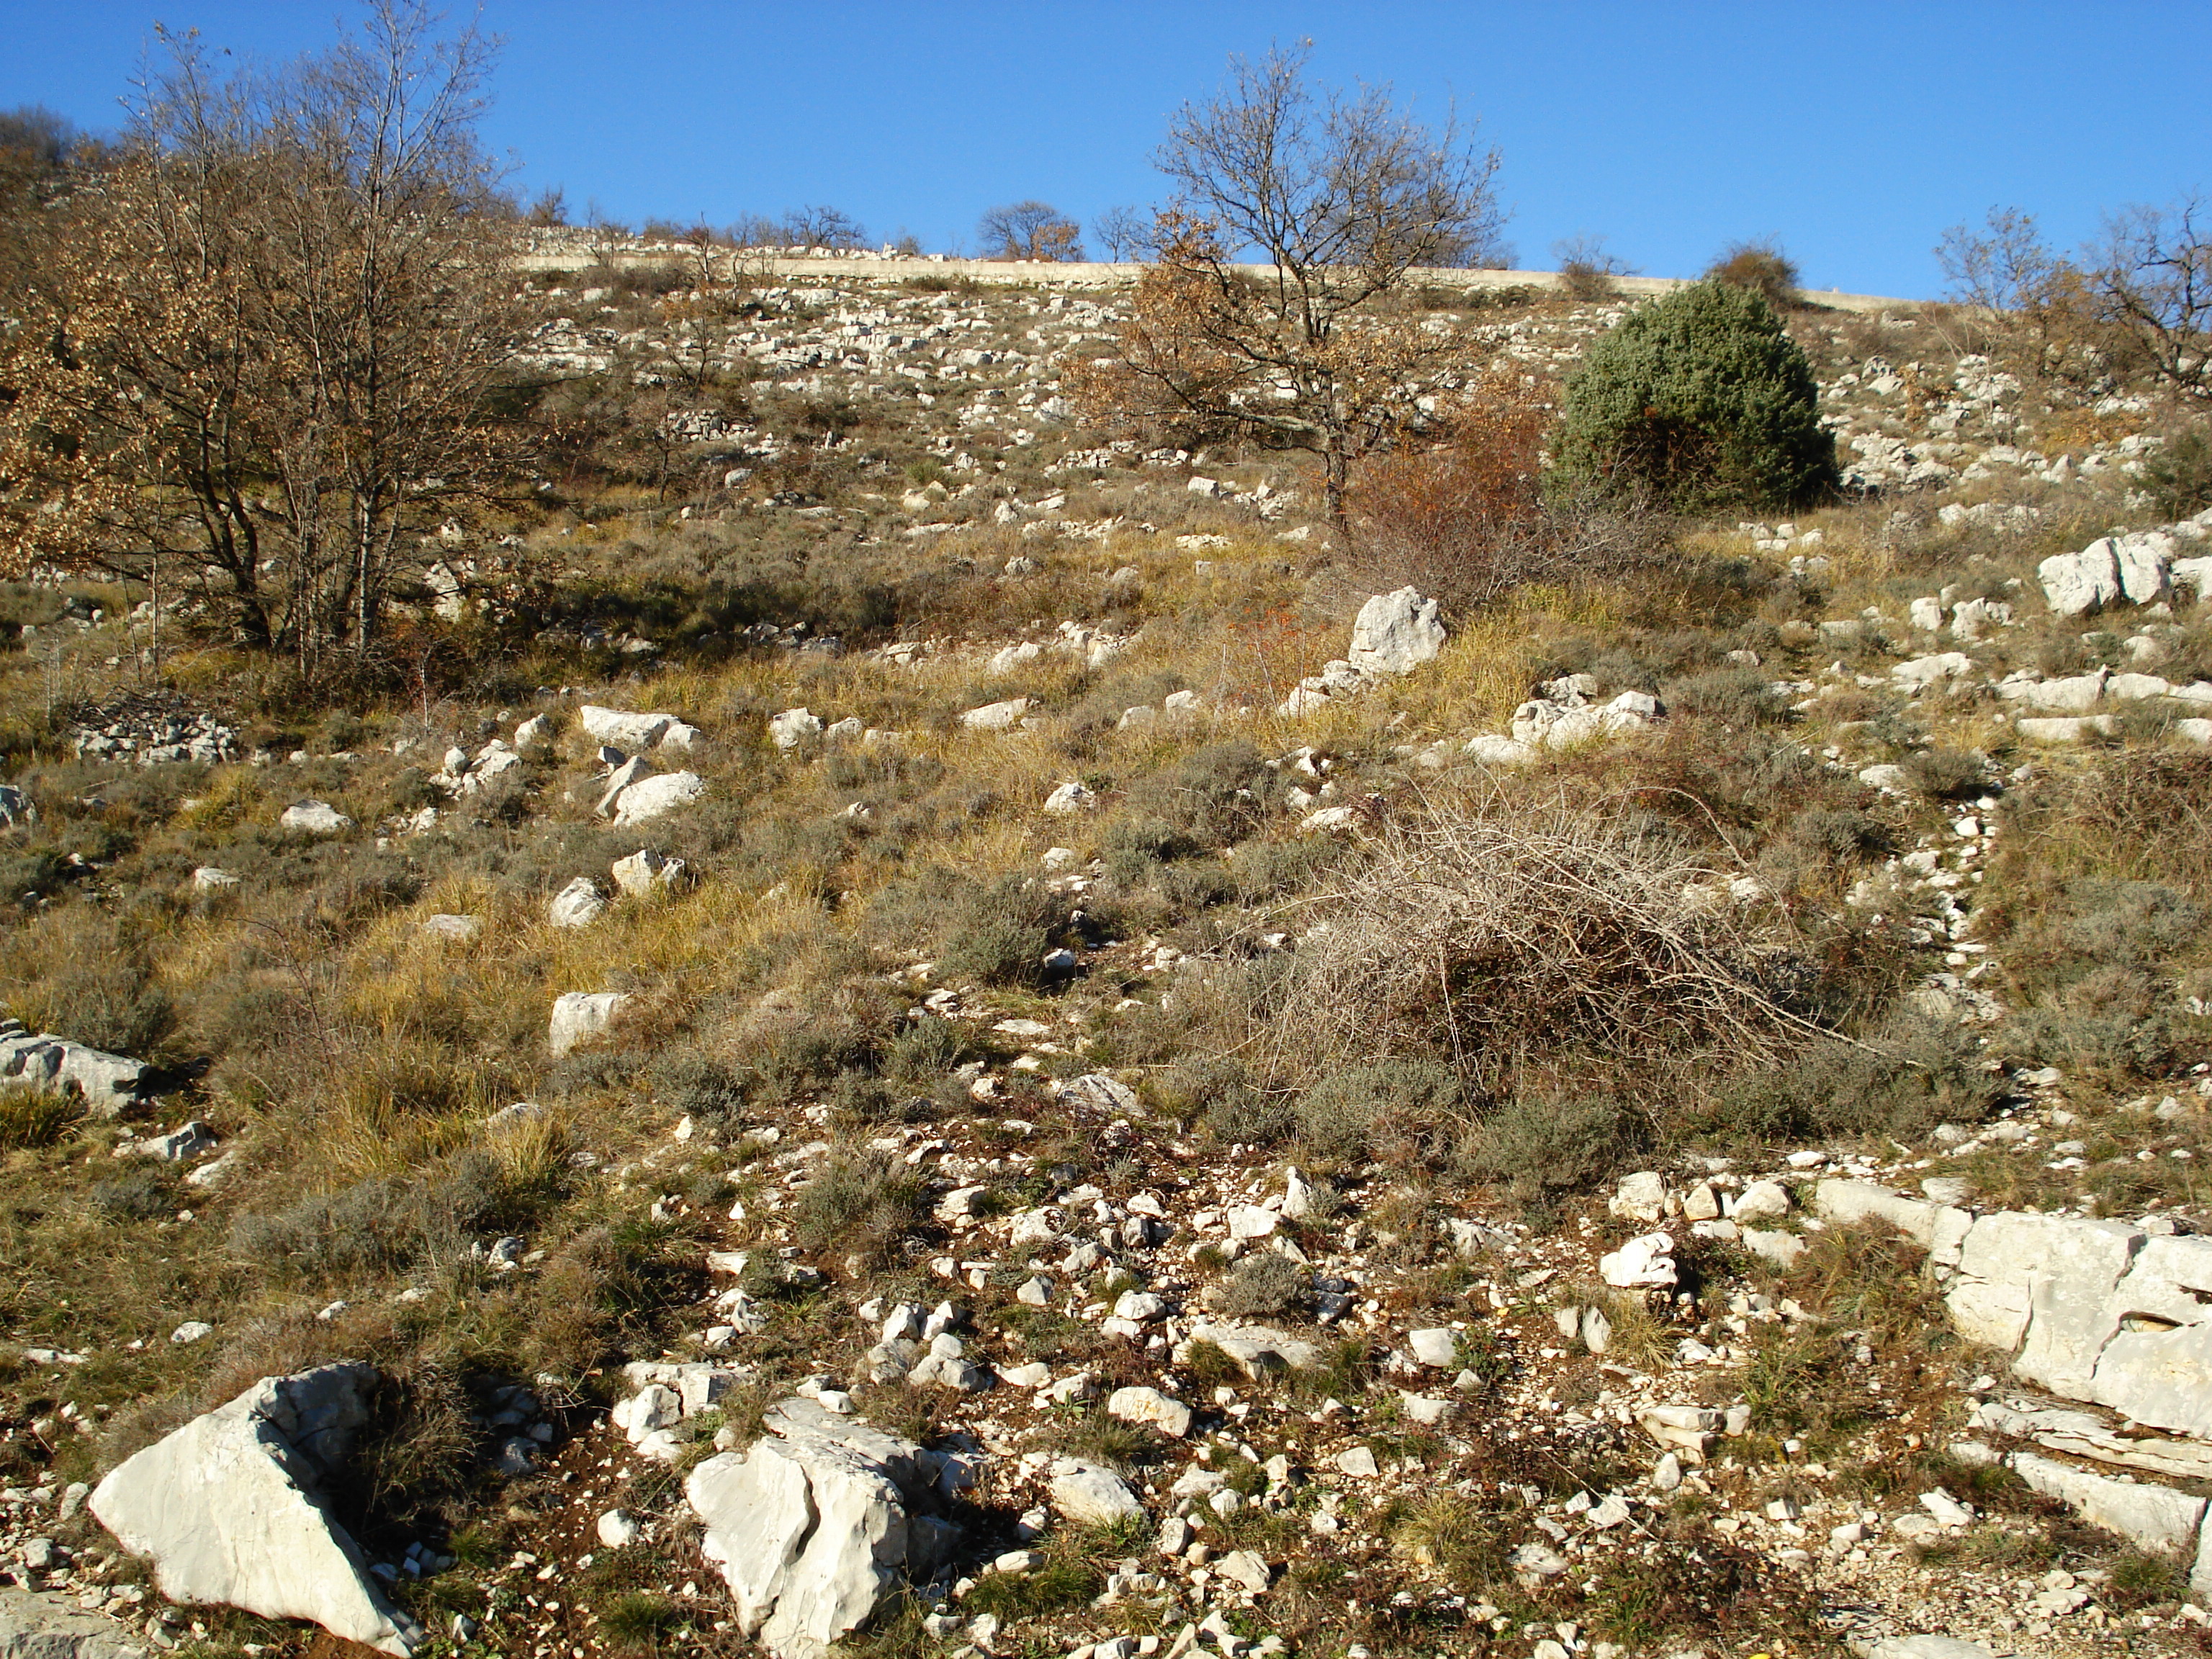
(1702, 400)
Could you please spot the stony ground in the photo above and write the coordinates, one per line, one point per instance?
(896, 1076)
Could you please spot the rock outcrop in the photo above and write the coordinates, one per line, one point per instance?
(38, 1627)
(229, 1508)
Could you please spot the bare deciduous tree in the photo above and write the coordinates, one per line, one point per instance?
(2153, 278)
(1028, 230)
(1125, 232)
(1343, 196)
(823, 227)
(2139, 296)
(262, 357)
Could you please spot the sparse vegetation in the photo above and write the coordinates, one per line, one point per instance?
(1068, 948)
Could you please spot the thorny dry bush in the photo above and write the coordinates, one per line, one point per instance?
(1497, 933)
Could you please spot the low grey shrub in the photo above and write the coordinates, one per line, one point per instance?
(1263, 1285)
(1549, 1144)
(1903, 1081)
(1351, 1111)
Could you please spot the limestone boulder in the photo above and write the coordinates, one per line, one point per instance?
(622, 728)
(576, 905)
(579, 1017)
(652, 798)
(814, 1524)
(646, 873)
(2145, 558)
(2156, 1362)
(1091, 1496)
(1396, 633)
(633, 769)
(996, 716)
(109, 1085)
(2155, 1518)
(1260, 1351)
(2076, 584)
(229, 1508)
(1647, 1262)
(1096, 1091)
(315, 818)
(42, 1627)
(793, 727)
(1151, 1409)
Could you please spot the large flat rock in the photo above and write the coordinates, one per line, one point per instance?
(229, 1508)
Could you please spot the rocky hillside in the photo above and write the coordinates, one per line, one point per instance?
(908, 1026)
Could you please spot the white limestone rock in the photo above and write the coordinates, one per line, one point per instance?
(1640, 1197)
(1096, 1091)
(1435, 1346)
(622, 728)
(228, 1507)
(652, 798)
(581, 1016)
(1090, 1496)
(2155, 1518)
(315, 818)
(2156, 1365)
(645, 872)
(814, 1526)
(576, 905)
(793, 727)
(2076, 584)
(635, 769)
(1070, 797)
(1644, 1262)
(996, 716)
(109, 1085)
(1396, 633)
(36, 1626)
(2145, 558)
(1260, 1351)
(1152, 1409)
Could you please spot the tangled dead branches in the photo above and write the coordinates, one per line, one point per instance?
(1509, 931)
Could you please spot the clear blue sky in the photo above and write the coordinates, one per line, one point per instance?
(1854, 133)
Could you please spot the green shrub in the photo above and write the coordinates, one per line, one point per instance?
(1214, 796)
(1219, 1093)
(1947, 774)
(138, 1195)
(1842, 834)
(641, 1621)
(1700, 399)
(998, 933)
(30, 1117)
(384, 1225)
